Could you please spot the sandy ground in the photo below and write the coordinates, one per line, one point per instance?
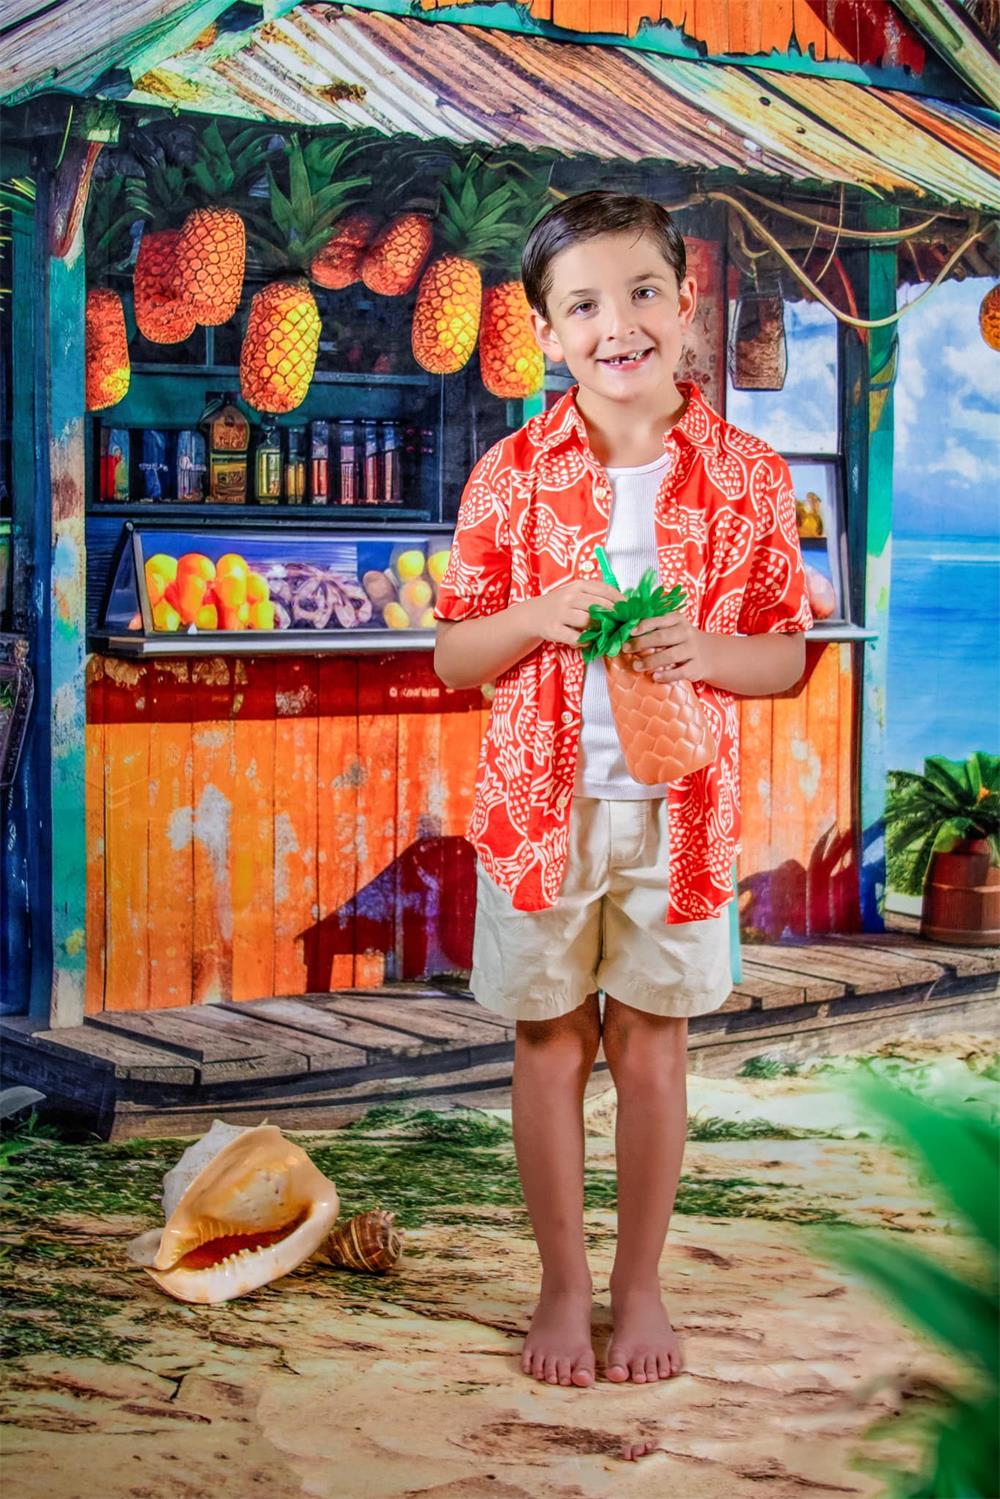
(338, 1386)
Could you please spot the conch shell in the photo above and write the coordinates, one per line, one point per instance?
(243, 1207)
(368, 1241)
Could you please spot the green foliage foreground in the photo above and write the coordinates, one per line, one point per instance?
(961, 1153)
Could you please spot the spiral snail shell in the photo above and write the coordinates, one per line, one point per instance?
(368, 1241)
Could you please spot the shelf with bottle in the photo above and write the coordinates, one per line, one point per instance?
(341, 464)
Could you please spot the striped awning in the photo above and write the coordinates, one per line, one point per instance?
(324, 66)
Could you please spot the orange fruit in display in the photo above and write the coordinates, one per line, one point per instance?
(172, 597)
(165, 618)
(156, 585)
(191, 592)
(262, 615)
(196, 564)
(416, 595)
(437, 563)
(396, 617)
(164, 564)
(231, 576)
(207, 617)
(234, 618)
(257, 589)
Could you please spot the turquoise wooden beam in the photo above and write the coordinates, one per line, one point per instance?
(66, 709)
(869, 373)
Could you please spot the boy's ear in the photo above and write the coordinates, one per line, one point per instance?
(546, 336)
(687, 299)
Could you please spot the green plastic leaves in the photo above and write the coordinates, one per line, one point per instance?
(612, 625)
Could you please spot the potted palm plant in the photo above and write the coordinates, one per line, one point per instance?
(943, 828)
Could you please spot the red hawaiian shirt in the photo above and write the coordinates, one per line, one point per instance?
(534, 508)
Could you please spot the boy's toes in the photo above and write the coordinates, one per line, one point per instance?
(638, 1368)
(663, 1364)
(652, 1373)
(563, 1367)
(583, 1372)
(616, 1369)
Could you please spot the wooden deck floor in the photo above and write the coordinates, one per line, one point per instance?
(320, 1061)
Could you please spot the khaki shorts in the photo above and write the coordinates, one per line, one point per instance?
(606, 932)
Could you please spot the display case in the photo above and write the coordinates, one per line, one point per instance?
(215, 591)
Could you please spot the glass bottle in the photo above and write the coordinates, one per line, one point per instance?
(267, 467)
(319, 463)
(372, 484)
(228, 438)
(392, 475)
(348, 463)
(190, 467)
(295, 466)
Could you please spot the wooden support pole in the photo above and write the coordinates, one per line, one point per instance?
(869, 373)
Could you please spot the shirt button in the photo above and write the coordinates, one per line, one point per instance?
(588, 568)
(601, 493)
(567, 718)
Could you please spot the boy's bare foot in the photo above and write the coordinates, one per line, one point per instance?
(558, 1347)
(643, 1346)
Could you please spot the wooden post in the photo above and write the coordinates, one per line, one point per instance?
(57, 849)
(868, 375)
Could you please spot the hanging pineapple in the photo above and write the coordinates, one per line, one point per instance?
(393, 262)
(511, 363)
(107, 241)
(160, 314)
(989, 317)
(474, 221)
(108, 369)
(210, 251)
(338, 263)
(282, 337)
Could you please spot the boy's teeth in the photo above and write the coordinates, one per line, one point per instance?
(626, 358)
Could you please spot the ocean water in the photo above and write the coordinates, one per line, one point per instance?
(944, 650)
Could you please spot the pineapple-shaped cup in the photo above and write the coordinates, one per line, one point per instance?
(662, 727)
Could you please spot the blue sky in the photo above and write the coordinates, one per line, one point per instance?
(947, 409)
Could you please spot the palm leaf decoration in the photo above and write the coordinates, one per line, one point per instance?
(108, 225)
(957, 1307)
(304, 211)
(950, 801)
(613, 624)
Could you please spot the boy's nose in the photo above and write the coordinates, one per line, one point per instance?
(621, 322)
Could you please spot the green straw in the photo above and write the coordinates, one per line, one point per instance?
(605, 566)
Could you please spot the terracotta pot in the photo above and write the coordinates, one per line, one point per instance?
(961, 902)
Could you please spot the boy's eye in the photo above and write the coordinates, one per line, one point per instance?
(581, 307)
(645, 292)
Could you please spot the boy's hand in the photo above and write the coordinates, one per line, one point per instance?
(563, 613)
(671, 649)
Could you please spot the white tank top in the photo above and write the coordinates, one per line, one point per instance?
(631, 549)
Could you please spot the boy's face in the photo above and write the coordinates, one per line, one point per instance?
(616, 315)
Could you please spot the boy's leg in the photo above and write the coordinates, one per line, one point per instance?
(647, 1058)
(552, 1062)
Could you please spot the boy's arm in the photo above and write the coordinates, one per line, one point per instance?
(476, 650)
(479, 634)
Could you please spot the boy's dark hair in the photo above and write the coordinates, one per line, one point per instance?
(585, 216)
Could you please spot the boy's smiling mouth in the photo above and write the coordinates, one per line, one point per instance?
(623, 361)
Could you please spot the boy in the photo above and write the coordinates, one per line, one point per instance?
(587, 880)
